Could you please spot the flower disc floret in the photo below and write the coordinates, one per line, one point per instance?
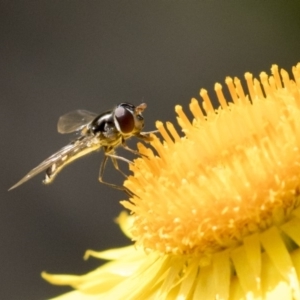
(236, 170)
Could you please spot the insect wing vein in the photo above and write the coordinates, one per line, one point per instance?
(75, 149)
(75, 120)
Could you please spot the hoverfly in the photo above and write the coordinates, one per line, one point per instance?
(107, 130)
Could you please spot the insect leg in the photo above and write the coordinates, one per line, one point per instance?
(146, 136)
(101, 173)
(119, 157)
(116, 165)
(130, 150)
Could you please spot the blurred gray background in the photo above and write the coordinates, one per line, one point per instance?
(57, 56)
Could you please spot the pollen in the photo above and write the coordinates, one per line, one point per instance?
(228, 174)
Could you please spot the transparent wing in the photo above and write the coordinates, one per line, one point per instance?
(75, 120)
(67, 154)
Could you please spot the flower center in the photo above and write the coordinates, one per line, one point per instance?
(235, 172)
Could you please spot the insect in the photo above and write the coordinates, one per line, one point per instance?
(107, 130)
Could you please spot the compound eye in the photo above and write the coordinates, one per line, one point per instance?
(125, 119)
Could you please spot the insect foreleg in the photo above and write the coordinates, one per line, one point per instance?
(146, 136)
(116, 165)
(102, 168)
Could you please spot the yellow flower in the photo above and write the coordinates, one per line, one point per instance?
(215, 214)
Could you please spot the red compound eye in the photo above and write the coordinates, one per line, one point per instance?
(124, 117)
